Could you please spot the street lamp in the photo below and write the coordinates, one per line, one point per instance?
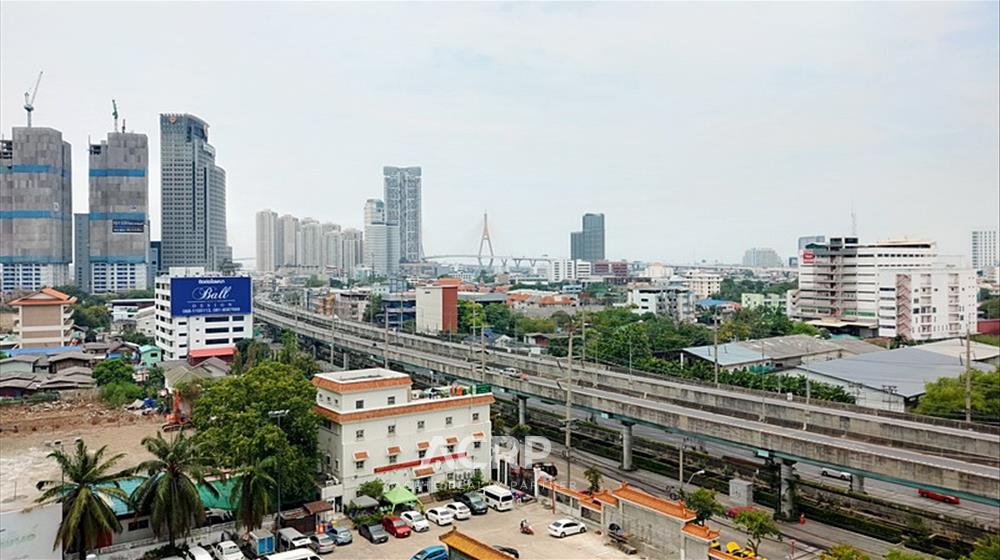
(279, 414)
(694, 474)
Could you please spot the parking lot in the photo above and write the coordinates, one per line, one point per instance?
(494, 528)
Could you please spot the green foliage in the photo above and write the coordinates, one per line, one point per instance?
(92, 316)
(373, 489)
(120, 393)
(844, 552)
(154, 379)
(594, 479)
(249, 353)
(991, 308)
(88, 485)
(703, 502)
(991, 339)
(470, 316)
(897, 554)
(373, 308)
(733, 289)
(986, 549)
(168, 495)
(113, 371)
(316, 282)
(136, 337)
(520, 431)
(251, 496)
(946, 396)
(232, 421)
(762, 322)
(524, 325)
(757, 524)
(500, 318)
(291, 355)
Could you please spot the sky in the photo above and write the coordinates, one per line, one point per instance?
(699, 130)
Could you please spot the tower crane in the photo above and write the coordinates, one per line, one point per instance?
(29, 99)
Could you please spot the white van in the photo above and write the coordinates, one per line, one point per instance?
(498, 497)
(290, 538)
(297, 554)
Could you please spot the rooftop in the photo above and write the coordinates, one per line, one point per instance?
(471, 547)
(360, 380)
(45, 296)
(779, 348)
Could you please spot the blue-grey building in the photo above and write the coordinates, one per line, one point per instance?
(588, 243)
(36, 209)
(193, 191)
(403, 208)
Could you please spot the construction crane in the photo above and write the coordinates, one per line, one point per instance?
(29, 98)
(114, 113)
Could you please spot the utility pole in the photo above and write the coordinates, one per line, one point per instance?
(482, 345)
(385, 351)
(715, 336)
(279, 414)
(968, 377)
(569, 410)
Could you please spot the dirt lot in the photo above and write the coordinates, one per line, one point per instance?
(28, 433)
(495, 528)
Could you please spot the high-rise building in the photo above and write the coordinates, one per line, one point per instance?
(402, 208)
(985, 249)
(155, 250)
(374, 211)
(200, 314)
(81, 251)
(36, 209)
(193, 195)
(119, 219)
(267, 223)
(702, 283)
(312, 243)
(761, 257)
(351, 250)
(588, 243)
(287, 240)
(382, 240)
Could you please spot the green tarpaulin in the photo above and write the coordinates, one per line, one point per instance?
(399, 495)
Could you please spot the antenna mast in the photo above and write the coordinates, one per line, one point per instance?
(29, 98)
(114, 113)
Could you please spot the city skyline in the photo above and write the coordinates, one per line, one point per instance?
(807, 123)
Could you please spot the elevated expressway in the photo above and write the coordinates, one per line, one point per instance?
(953, 460)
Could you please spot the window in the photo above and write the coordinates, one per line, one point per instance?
(420, 424)
(447, 421)
(477, 444)
(359, 465)
(360, 434)
(359, 405)
(140, 524)
(391, 401)
(391, 429)
(392, 459)
(451, 449)
(422, 453)
(475, 416)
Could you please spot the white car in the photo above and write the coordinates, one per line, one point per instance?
(836, 474)
(441, 516)
(227, 550)
(459, 510)
(564, 527)
(198, 553)
(415, 520)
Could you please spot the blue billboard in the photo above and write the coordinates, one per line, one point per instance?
(217, 295)
(119, 225)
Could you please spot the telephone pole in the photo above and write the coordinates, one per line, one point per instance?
(569, 409)
(715, 344)
(968, 376)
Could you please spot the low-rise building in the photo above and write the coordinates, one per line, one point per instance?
(778, 352)
(375, 426)
(703, 284)
(437, 309)
(671, 300)
(44, 319)
(770, 301)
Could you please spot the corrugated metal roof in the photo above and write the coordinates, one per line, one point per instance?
(730, 354)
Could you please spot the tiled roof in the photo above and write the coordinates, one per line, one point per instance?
(471, 547)
(666, 507)
(55, 297)
(412, 408)
(351, 387)
(700, 531)
(209, 352)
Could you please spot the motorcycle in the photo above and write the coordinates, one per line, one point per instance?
(526, 529)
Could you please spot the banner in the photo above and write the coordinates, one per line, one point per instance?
(218, 295)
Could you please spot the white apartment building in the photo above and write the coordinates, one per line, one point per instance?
(674, 301)
(985, 249)
(195, 311)
(702, 283)
(563, 270)
(374, 426)
(927, 304)
(841, 284)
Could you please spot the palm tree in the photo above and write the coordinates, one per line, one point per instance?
(87, 487)
(169, 495)
(251, 495)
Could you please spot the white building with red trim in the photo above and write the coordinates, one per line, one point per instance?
(375, 426)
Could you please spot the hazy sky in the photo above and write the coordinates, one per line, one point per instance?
(699, 130)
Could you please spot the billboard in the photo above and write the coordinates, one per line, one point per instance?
(119, 225)
(808, 257)
(216, 295)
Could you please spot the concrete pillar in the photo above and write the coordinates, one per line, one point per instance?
(858, 484)
(627, 445)
(522, 410)
(347, 360)
(786, 499)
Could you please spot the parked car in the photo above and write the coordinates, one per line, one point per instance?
(459, 510)
(395, 526)
(437, 552)
(341, 535)
(374, 533)
(508, 550)
(322, 543)
(416, 521)
(198, 553)
(565, 527)
(938, 496)
(833, 473)
(475, 502)
(441, 516)
(734, 511)
(289, 538)
(227, 550)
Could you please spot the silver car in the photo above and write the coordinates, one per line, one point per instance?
(322, 543)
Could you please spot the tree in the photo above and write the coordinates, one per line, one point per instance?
(168, 494)
(92, 316)
(986, 549)
(520, 431)
(757, 525)
(373, 489)
(120, 393)
(470, 316)
(251, 496)
(991, 308)
(113, 371)
(896, 554)
(290, 354)
(844, 552)
(89, 485)
(704, 504)
(154, 378)
(316, 282)
(594, 479)
(946, 396)
(249, 352)
(232, 422)
(500, 318)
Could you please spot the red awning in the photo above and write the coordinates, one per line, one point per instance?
(360, 455)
